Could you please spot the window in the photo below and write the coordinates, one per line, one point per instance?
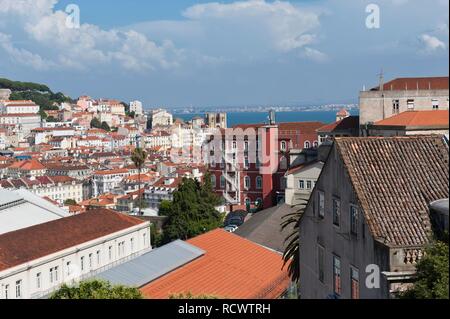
(132, 244)
(90, 261)
(18, 288)
(110, 251)
(435, 104)
(98, 258)
(259, 182)
(222, 181)
(337, 275)
(336, 211)
(353, 220)
(301, 184)
(51, 275)
(247, 182)
(55, 273)
(320, 263)
(6, 291)
(246, 162)
(321, 206)
(68, 272)
(308, 185)
(82, 263)
(234, 145)
(213, 181)
(410, 104)
(283, 146)
(354, 275)
(307, 144)
(38, 280)
(395, 106)
(316, 144)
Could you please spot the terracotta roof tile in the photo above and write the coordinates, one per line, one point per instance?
(424, 83)
(438, 118)
(395, 179)
(31, 243)
(232, 267)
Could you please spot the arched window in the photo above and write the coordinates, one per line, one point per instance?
(213, 181)
(222, 181)
(259, 182)
(307, 144)
(283, 145)
(247, 182)
(283, 163)
(316, 144)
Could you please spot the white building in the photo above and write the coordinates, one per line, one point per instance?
(300, 181)
(161, 117)
(105, 181)
(136, 107)
(158, 139)
(23, 123)
(20, 208)
(36, 261)
(19, 107)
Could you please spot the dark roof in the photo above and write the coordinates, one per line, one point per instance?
(395, 179)
(24, 245)
(349, 123)
(424, 83)
(264, 227)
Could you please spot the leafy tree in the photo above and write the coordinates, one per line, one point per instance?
(95, 123)
(139, 157)
(105, 126)
(192, 211)
(96, 290)
(51, 119)
(70, 202)
(432, 274)
(291, 254)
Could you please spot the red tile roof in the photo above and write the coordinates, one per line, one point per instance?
(424, 83)
(351, 122)
(436, 118)
(28, 165)
(35, 242)
(232, 267)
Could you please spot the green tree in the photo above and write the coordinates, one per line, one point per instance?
(68, 202)
(95, 123)
(139, 157)
(432, 274)
(105, 126)
(192, 211)
(96, 290)
(291, 254)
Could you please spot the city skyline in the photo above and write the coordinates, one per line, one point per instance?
(200, 53)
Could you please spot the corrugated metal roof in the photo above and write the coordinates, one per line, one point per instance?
(152, 265)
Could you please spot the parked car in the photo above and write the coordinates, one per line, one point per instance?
(231, 228)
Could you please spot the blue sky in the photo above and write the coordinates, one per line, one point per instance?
(183, 52)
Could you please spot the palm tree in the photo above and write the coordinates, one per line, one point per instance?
(291, 254)
(139, 157)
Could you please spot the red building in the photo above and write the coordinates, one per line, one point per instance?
(248, 162)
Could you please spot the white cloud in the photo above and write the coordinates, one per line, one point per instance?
(432, 43)
(314, 55)
(80, 48)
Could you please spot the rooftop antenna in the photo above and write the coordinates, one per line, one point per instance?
(381, 75)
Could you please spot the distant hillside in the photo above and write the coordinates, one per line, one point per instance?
(38, 93)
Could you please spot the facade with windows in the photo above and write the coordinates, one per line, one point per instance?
(91, 243)
(401, 95)
(301, 180)
(249, 163)
(354, 228)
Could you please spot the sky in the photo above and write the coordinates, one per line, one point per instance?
(182, 53)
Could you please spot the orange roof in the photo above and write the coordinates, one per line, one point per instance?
(424, 83)
(29, 165)
(232, 268)
(417, 119)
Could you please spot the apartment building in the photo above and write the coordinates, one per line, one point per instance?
(19, 107)
(160, 117)
(105, 181)
(37, 260)
(401, 95)
(56, 188)
(136, 107)
(248, 162)
(26, 168)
